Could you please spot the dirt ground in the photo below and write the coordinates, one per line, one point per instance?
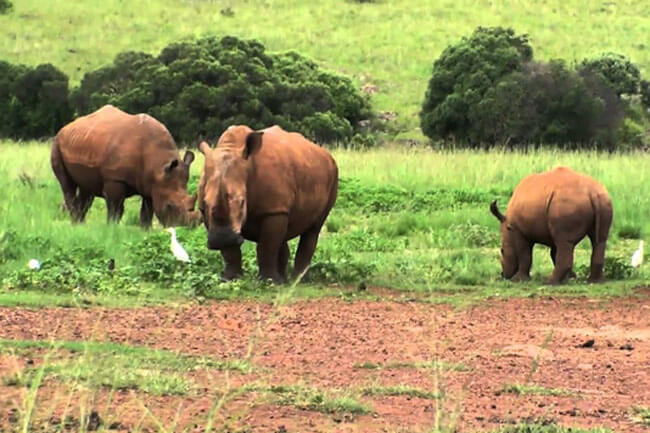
(317, 343)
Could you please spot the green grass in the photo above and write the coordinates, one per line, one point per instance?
(419, 365)
(400, 390)
(528, 389)
(313, 399)
(389, 44)
(407, 219)
(549, 428)
(641, 415)
(111, 365)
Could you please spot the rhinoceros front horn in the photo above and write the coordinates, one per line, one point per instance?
(496, 212)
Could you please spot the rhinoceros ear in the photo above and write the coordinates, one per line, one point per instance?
(172, 165)
(253, 143)
(496, 212)
(188, 157)
(205, 148)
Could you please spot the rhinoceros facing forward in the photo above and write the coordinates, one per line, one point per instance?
(557, 208)
(266, 186)
(115, 155)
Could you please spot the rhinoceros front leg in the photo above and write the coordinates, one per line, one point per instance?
(115, 194)
(146, 212)
(305, 251)
(563, 262)
(525, 261)
(572, 274)
(283, 260)
(270, 245)
(232, 259)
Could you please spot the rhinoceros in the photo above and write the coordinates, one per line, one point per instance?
(114, 155)
(557, 208)
(268, 187)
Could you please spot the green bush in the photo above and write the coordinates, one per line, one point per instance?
(463, 74)
(616, 70)
(198, 89)
(487, 90)
(33, 100)
(645, 94)
(5, 6)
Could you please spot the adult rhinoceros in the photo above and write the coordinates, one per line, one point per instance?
(115, 155)
(557, 208)
(266, 186)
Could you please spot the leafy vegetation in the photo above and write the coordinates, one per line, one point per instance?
(641, 415)
(425, 365)
(549, 428)
(198, 89)
(33, 100)
(487, 90)
(314, 400)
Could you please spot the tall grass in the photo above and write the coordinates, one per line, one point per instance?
(390, 44)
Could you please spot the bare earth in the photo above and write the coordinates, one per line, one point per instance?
(317, 344)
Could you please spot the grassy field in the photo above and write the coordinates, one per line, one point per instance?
(390, 44)
(408, 219)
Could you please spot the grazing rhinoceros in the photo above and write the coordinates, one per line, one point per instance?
(266, 186)
(115, 155)
(557, 208)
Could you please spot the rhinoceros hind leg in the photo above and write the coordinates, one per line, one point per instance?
(306, 249)
(597, 261)
(232, 258)
(283, 260)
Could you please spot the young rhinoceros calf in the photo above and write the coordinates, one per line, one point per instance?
(557, 208)
(266, 186)
(115, 155)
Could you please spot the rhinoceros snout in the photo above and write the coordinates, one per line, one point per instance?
(223, 237)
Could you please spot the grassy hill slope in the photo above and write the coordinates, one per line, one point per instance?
(390, 44)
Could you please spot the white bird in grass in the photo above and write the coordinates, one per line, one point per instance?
(177, 250)
(637, 257)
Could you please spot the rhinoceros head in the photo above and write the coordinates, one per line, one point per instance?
(509, 262)
(171, 203)
(223, 187)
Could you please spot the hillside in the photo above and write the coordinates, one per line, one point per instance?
(389, 44)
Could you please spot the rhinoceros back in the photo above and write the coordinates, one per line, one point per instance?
(110, 144)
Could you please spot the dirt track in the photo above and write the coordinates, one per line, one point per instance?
(317, 343)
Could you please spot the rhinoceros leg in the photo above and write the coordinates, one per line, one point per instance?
(146, 212)
(525, 261)
(563, 262)
(305, 252)
(115, 194)
(273, 232)
(572, 274)
(232, 258)
(80, 205)
(597, 261)
(283, 260)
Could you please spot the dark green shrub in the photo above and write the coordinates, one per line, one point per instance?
(198, 89)
(33, 100)
(486, 90)
(645, 94)
(462, 75)
(616, 70)
(5, 6)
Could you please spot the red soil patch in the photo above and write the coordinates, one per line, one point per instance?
(317, 344)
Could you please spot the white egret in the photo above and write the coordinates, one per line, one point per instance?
(177, 250)
(34, 264)
(637, 257)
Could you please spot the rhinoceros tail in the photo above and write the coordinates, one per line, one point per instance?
(58, 167)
